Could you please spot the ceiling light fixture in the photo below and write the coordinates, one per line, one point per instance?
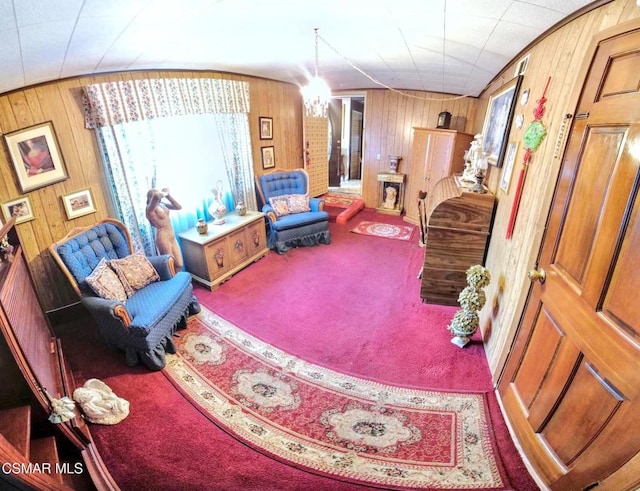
(316, 95)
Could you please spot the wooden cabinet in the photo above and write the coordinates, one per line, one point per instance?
(458, 227)
(435, 153)
(35, 453)
(225, 249)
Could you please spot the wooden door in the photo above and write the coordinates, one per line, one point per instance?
(431, 154)
(571, 385)
(336, 172)
(437, 162)
(355, 142)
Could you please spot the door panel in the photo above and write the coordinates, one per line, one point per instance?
(571, 385)
(588, 195)
(439, 156)
(583, 422)
(619, 308)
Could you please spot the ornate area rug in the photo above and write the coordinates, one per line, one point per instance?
(388, 231)
(332, 424)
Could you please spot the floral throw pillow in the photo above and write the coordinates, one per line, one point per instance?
(280, 205)
(104, 281)
(135, 272)
(298, 203)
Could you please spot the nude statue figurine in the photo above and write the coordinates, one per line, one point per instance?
(159, 204)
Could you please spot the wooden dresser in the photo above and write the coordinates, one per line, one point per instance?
(458, 227)
(225, 249)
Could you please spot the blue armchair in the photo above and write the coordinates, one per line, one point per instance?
(294, 219)
(143, 320)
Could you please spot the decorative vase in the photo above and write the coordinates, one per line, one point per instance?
(241, 208)
(394, 161)
(202, 227)
(217, 208)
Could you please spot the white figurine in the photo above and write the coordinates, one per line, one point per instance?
(99, 404)
(471, 157)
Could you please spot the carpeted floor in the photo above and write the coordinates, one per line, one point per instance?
(352, 306)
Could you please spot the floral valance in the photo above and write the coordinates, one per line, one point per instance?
(110, 103)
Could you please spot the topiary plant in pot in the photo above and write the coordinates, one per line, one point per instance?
(466, 320)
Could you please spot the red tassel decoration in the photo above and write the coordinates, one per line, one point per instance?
(538, 112)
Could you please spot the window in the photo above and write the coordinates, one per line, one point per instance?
(182, 153)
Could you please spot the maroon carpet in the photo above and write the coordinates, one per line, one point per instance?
(352, 306)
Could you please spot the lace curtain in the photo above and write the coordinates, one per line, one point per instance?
(126, 113)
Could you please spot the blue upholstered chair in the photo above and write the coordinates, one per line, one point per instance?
(288, 227)
(143, 323)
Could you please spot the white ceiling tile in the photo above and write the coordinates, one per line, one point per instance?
(525, 14)
(398, 40)
(43, 12)
(7, 17)
(508, 39)
(43, 49)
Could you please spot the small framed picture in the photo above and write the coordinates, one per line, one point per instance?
(268, 158)
(20, 208)
(35, 156)
(266, 128)
(509, 162)
(79, 203)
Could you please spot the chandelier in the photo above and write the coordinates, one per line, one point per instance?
(316, 95)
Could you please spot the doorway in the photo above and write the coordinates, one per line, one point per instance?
(346, 129)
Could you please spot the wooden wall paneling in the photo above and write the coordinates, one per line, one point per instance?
(404, 133)
(86, 146)
(389, 120)
(283, 103)
(66, 113)
(372, 136)
(506, 258)
(557, 55)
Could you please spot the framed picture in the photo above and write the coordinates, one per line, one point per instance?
(509, 162)
(20, 208)
(268, 158)
(36, 156)
(79, 203)
(497, 121)
(266, 128)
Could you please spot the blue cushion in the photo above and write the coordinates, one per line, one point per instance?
(300, 219)
(148, 305)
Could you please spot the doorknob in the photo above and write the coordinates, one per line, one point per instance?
(537, 275)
